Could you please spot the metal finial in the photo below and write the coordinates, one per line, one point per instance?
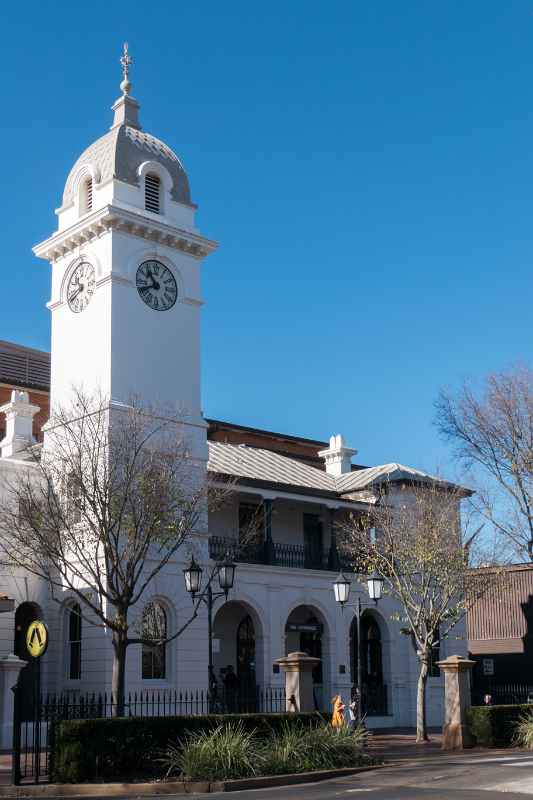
(126, 60)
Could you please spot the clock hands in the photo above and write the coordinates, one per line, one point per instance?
(155, 285)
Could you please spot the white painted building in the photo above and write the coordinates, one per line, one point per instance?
(125, 316)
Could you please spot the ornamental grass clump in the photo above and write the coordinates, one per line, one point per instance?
(524, 731)
(228, 751)
(315, 747)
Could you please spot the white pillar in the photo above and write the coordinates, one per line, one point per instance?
(10, 667)
(19, 423)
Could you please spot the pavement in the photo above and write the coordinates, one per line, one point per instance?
(469, 775)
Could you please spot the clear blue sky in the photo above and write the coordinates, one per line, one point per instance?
(367, 168)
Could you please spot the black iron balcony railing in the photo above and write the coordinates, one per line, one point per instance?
(279, 554)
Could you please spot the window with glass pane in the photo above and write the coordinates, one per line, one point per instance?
(154, 627)
(74, 642)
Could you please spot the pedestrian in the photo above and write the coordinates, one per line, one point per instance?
(354, 709)
(337, 719)
(231, 687)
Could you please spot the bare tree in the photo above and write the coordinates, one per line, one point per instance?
(102, 510)
(413, 541)
(493, 431)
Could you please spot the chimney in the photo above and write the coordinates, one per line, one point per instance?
(338, 458)
(19, 421)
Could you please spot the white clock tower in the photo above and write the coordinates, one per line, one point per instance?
(126, 260)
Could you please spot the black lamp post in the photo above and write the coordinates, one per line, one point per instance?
(341, 590)
(193, 584)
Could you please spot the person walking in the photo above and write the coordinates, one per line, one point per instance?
(337, 720)
(354, 709)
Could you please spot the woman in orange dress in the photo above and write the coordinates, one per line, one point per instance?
(337, 720)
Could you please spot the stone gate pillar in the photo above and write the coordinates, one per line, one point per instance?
(298, 669)
(456, 670)
(10, 667)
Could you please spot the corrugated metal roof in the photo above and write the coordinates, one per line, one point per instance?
(362, 478)
(265, 465)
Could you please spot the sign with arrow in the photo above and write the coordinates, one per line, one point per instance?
(37, 638)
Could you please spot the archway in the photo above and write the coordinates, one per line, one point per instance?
(373, 689)
(305, 631)
(29, 678)
(237, 654)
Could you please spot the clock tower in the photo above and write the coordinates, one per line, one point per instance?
(126, 258)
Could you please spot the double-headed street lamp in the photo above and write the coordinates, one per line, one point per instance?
(193, 583)
(341, 590)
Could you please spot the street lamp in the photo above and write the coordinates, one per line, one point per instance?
(225, 571)
(341, 590)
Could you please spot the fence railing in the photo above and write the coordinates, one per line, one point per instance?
(503, 694)
(32, 721)
(164, 703)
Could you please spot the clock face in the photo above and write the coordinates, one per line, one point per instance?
(81, 287)
(156, 285)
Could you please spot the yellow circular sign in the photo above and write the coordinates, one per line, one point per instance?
(37, 638)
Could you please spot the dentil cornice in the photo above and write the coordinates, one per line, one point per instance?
(93, 226)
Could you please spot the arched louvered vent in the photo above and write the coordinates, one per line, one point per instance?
(89, 194)
(152, 190)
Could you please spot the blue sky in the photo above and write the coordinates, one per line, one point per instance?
(367, 168)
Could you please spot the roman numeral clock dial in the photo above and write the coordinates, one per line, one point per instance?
(156, 285)
(80, 287)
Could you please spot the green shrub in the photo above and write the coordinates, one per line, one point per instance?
(495, 726)
(228, 751)
(82, 750)
(303, 748)
(524, 730)
(231, 751)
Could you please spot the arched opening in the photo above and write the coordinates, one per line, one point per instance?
(74, 642)
(29, 679)
(373, 689)
(237, 657)
(154, 628)
(305, 632)
(152, 193)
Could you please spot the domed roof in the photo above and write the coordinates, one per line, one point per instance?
(121, 151)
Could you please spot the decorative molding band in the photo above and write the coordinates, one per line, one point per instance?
(111, 218)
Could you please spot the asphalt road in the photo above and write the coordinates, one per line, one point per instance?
(468, 776)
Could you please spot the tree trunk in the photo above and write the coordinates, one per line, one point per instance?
(118, 680)
(421, 727)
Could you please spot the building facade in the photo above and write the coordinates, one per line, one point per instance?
(125, 320)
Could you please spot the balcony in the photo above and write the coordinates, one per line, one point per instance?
(276, 554)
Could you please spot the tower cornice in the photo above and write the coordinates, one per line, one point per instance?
(93, 226)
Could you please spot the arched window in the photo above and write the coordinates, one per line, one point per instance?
(74, 642)
(152, 192)
(371, 644)
(154, 627)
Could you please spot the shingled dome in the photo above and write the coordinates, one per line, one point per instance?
(120, 152)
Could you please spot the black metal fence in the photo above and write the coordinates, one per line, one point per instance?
(502, 694)
(31, 724)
